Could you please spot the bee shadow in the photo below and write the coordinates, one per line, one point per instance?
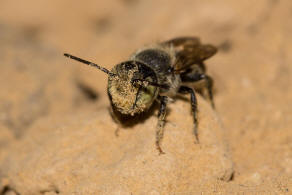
(128, 121)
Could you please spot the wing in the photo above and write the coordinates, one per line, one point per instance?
(189, 51)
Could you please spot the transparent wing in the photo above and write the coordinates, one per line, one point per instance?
(189, 51)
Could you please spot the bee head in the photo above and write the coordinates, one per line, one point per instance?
(131, 88)
(132, 85)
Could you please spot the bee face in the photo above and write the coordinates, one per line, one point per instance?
(126, 96)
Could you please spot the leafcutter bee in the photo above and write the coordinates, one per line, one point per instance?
(159, 72)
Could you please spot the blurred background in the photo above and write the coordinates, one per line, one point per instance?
(252, 70)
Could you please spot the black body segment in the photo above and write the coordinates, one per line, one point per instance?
(157, 59)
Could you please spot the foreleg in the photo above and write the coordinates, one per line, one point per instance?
(161, 123)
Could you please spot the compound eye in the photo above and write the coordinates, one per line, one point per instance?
(129, 66)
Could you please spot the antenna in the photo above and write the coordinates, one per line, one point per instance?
(90, 64)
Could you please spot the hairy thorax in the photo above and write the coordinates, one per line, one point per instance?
(161, 60)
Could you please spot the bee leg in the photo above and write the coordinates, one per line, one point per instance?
(209, 85)
(161, 122)
(184, 90)
(116, 120)
(198, 77)
(117, 131)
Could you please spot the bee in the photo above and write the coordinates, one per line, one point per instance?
(159, 72)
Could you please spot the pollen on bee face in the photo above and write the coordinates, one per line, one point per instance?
(123, 94)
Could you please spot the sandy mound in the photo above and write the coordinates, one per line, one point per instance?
(81, 154)
(56, 134)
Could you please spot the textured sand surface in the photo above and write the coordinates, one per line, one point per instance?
(57, 136)
(83, 151)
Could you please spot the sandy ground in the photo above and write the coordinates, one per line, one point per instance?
(56, 133)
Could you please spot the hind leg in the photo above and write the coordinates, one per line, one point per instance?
(195, 77)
